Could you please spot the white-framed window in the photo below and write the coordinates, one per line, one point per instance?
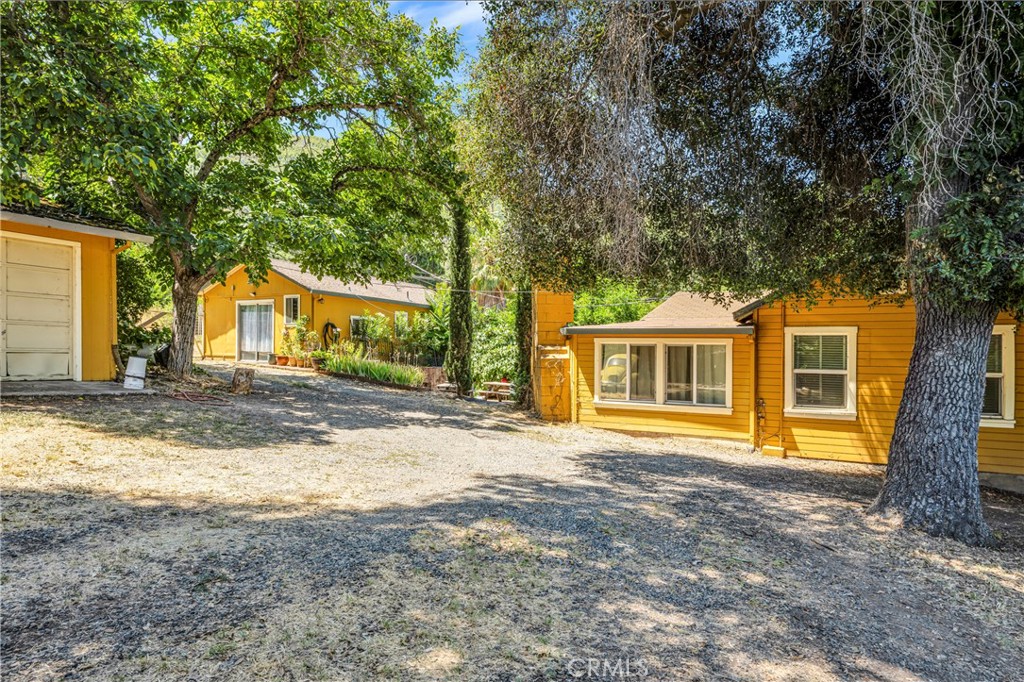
(355, 326)
(200, 319)
(401, 323)
(292, 309)
(997, 408)
(821, 372)
(688, 375)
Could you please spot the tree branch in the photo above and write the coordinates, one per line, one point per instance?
(338, 181)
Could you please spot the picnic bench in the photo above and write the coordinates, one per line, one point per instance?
(496, 390)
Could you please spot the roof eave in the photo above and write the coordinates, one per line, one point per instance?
(81, 228)
(747, 310)
(378, 299)
(654, 331)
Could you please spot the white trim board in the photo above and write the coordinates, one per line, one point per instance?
(661, 375)
(790, 409)
(81, 228)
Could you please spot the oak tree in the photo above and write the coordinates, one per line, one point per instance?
(183, 118)
(786, 150)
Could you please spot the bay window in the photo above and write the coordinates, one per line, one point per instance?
(998, 403)
(821, 372)
(665, 374)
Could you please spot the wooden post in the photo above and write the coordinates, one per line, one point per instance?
(241, 382)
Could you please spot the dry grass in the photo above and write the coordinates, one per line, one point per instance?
(324, 530)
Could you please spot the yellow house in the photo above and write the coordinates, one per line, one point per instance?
(245, 322)
(822, 382)
(58, 294)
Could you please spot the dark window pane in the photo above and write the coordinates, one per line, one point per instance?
(820, 390)
(806, 352)
(613, 371)
(680, 368)
(711, 362)
(642, 360)
(995, 355)
(992, 405)
(833, 352)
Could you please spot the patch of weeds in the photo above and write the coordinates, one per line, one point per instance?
(207, 578)
(221, 650)
(219, 521)
(405, 457)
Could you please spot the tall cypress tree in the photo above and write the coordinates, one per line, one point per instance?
(457, 362)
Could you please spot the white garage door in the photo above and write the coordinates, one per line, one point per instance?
(37, 304)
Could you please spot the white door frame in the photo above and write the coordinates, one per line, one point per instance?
(76, 302)
(238, 331)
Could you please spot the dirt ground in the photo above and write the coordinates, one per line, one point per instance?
(326, 530)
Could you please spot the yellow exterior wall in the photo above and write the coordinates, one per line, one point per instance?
(219, 305)
(99, 296)
(552, 388)
(885, 339)
(735, 426)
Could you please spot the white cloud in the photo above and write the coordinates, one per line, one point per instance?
(460, 14)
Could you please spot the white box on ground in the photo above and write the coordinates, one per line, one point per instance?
(135, 374)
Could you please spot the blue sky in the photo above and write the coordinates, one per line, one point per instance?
(468, 17)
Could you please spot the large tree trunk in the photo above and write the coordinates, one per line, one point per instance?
(185, 296)
(460, 324)
(931, 480)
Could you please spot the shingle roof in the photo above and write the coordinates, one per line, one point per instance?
(61, 217)
(683, 312)
(389, 292)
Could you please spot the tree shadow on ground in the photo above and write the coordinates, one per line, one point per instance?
(700, 569)
(277, 413)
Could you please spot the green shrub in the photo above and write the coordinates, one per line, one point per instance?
(612, 302)
(357, 364)
(141, 286)
(494, 344)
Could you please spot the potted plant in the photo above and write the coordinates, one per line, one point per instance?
(271, 359)
(317, 358)
(288, 346)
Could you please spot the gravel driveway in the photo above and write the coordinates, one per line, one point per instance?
(326, 530)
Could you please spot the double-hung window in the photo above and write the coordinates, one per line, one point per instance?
(291, 309)
(821, 372)
(998, 404)
(665, 374)
(200, 320)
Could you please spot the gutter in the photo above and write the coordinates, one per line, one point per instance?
(81, 228)
(580, 331)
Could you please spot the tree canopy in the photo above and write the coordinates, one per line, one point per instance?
(182, 119)
(789, 150)
(769, 148)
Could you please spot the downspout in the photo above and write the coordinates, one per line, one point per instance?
(753, 425)
(782, 378)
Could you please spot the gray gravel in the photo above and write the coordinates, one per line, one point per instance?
(322, 529)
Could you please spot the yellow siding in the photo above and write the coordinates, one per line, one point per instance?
(219, 305)
(885, 339)
(735, 426)
(99, 296)
(551, 362)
